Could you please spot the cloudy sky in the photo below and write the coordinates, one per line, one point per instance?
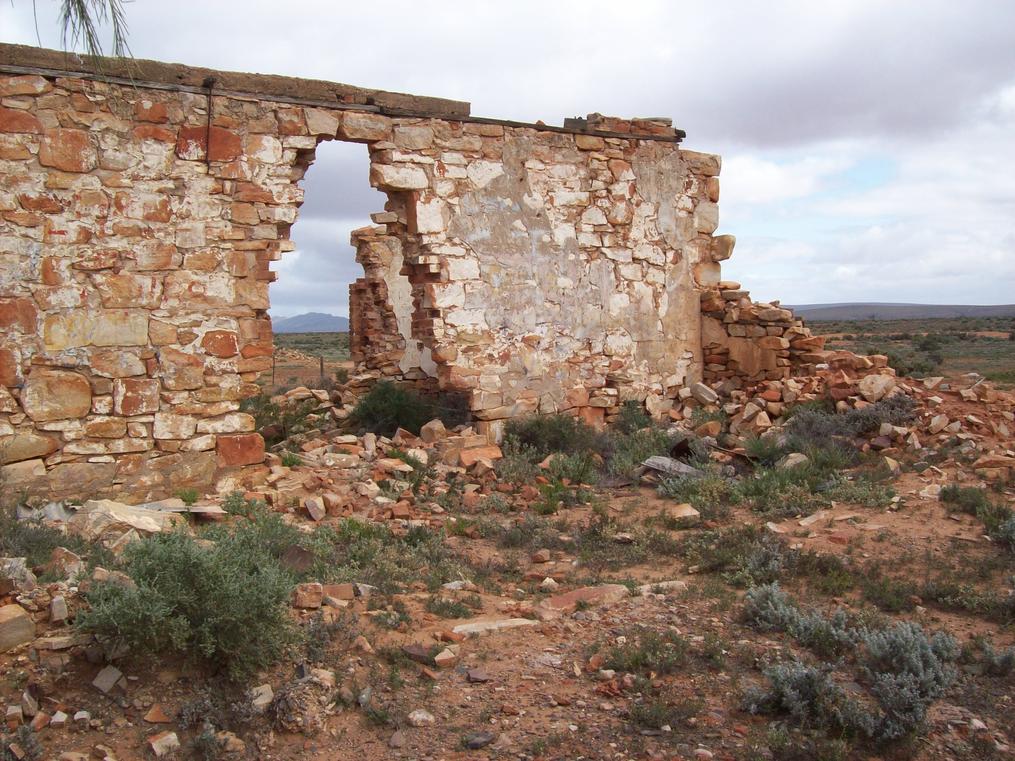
(869, 147)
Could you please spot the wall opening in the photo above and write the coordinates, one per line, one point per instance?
(310, 295)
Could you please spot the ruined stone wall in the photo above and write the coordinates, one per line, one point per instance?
(533, 268)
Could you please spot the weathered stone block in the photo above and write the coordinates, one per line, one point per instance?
(240, 449)
(135, 396)
(363, 127)
(98, 327)
(69, 150)
(25, 445)
(16, 627)
(56, 395)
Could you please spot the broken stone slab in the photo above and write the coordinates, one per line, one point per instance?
(16, 627)
(260, 697)
(51, 511)
(17, 570)
(813, 518)
(703, 393)
(873, 388)
(107, 679)
(486, 626)
(104, 518)
(604, 594)
(792, 460)
(663, 587)
(670, 466)
(164, 744)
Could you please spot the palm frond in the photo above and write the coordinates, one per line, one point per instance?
(80, 20)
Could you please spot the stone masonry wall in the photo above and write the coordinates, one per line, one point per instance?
(534, 269)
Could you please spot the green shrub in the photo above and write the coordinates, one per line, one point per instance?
(236, 504)
(32, 539)
(24, 736)
(632, 417)
(545, 434)
(278, 421)
(189, 496)
(656, 713)
(998, 520)
(768, 608)
(629, 450)
(766, 450)
(710, 495)
(576, 469)
(820, 427)
(646, 651)
(291, 460)
(225, 604)
(386, 407)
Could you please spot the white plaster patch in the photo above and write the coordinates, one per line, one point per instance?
(482, 173)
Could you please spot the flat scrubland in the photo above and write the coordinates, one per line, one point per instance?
(838, 586)
(932, 347)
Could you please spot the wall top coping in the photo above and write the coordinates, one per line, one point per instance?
(26, 59)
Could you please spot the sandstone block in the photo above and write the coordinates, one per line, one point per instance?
(398, 177)
(364, 127)
(56, 395)
(135, 396)
(321, 122)
(69, 150)
(15, 120)
(220, 343)
(239, 449)
(16, 627)
(25, 445)
(19, 314)
(171, 426)
(98, 327)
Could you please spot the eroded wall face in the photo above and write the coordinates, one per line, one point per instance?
(562, 268)
(534, 270)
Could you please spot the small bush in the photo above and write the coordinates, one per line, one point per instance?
(545, 434)
(236, 504)
(632, 417)
(710, 495)
(646, 651)
(770, 609)
(24, 736)
(574, 469)
(657, 713)
(907, 671)
(291, 460)
(628, 451)
(820, 427)
(189, 496)
(225, 605)
(805, 693)
(278, 421)
(386, 407)
(32, 539)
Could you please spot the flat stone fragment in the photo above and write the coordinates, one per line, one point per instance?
(107, 679)
(16, 627)
(492, 625)
(164, 743)
(568, 602)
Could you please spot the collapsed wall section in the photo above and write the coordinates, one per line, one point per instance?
(535, 269)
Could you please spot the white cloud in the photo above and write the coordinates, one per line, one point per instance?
(868, 144)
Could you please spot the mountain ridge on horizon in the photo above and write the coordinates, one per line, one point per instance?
(874, 310)
(311, 322)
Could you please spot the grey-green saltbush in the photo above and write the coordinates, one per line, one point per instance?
(224, 604)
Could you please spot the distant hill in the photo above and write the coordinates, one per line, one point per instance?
(878, 311)
(311, 322)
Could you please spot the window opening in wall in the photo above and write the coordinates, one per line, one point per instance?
(310, 296)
